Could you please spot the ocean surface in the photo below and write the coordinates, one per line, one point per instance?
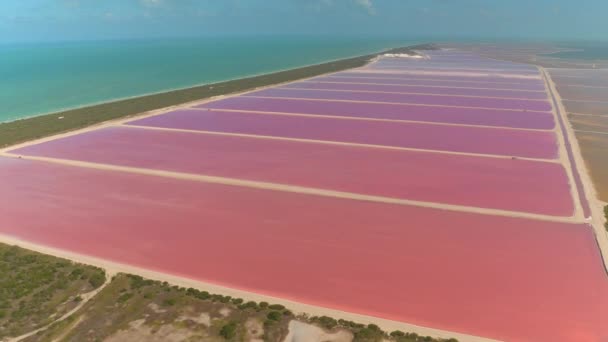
(584, 51)
(48, 77)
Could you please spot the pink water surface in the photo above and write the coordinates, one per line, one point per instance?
(519, 185)
(503, 278)
(534, 144)
(419, 81)
(438, 76)
(448, 68)
(475, 102)
(514, 94)
(469, 116)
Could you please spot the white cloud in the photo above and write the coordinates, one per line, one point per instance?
(367, 5)
(151, 3)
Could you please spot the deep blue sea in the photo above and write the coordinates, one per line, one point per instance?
(47, 77)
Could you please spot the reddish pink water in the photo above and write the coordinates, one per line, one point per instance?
(539, 144)
(509, 279)
(519, 185)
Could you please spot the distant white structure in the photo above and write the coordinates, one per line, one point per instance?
(401, 55)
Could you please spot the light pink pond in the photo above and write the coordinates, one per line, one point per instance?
(469, 116)
(517, 185)
(439, 100)
(514, 94)
(415, 81)
(539, 144)
(443, 77)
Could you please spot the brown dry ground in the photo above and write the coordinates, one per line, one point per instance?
(594, 148)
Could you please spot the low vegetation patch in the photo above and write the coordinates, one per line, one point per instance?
(134, 308)
(36, 289)
(606, 217)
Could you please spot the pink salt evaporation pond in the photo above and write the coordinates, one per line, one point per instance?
(503, 278)
(494, 183)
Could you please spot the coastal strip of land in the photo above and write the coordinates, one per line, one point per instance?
(45, 125)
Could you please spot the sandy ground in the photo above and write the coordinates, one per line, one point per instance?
(302, 332)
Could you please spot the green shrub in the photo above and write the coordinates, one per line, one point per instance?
(274, 316)
(125, 297)
(276, 307)
(397, 333)
(169, 302)
(263, 305)
(97, 279)
(248, 305)
(606, 216)
(327, 322)
(228, 331)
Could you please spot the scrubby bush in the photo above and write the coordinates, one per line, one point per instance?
(248, 305)
(606, 216)
(397, 333)
(274, 316)
(327, 322)
(276, 307)
(125, 297)
(97, 279)
(228, 331)
(169, 302)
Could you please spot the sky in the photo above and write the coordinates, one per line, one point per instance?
(57, 20)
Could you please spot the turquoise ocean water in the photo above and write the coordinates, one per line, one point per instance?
(584, 50)
(47, 77)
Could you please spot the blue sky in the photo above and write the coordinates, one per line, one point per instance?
(47, 20)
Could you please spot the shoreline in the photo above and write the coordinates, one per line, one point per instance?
(168, 90)
(44, 125)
